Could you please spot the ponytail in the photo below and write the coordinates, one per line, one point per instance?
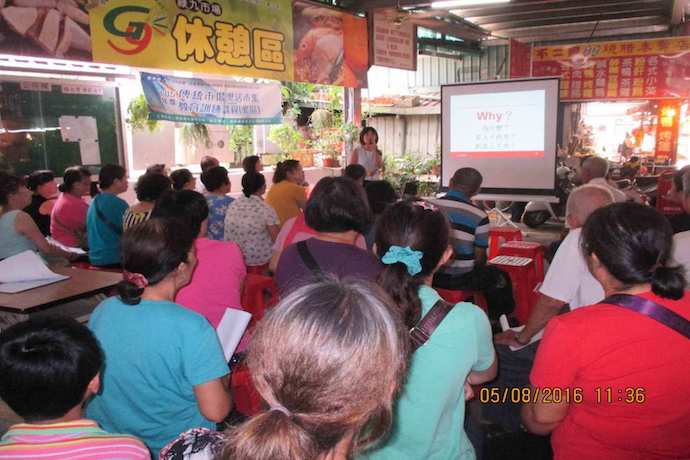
(282, 168)
(403, 288)
(129, 293)
(270, 435)
(668, 282)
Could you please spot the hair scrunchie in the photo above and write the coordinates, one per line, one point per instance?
(405, 255)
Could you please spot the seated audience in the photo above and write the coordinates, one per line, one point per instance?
(44, 192)
(68, 220)
(207, 162)
(18, 231)
(252, 163)
(340, 215)
(296, 229)
(594, 171)
(149, 188)
(50, 368)
(343, 342)
(251, 223)
(621, 364)
(166, 372)
(380, 195)
(183, 179)
(159, 168)
(356, 172)
(217, 186)
(219, 274)
(104, 217)
(568, 284)
(412, 240)
(287, 195)
(680, 193)
(467, 269)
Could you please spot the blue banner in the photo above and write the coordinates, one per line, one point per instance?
(220, 102)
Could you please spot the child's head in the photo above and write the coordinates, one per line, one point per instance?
(328, 361)
(412, 242)
(48, 366)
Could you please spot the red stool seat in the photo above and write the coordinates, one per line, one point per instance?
(521, 272)
(496, 234)
(455, 296)
(253, 298)
(257, 269)
(534, 251)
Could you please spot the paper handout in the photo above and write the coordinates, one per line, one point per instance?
(503, 320)
(25, 270)
(231, 328)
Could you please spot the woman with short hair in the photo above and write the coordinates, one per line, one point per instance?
(340, 215)
(287, 195)
(44, 192)
(149, 188)
(610, 375)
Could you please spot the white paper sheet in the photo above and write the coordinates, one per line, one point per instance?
(25, 270)
(503, 320)
(230, 330)
(90, 152)
(77, 129)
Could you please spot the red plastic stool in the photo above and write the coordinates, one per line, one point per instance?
(496, 234)
(257, 269)
(521, 272)
(455, 296)
(253, 300)
(244, 395)
(534, 251)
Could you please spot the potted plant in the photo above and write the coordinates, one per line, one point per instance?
(138, 114)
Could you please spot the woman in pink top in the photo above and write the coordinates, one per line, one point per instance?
(217, 280)
(68, 219)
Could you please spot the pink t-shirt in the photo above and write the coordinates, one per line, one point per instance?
(68, 219)
(217, 280)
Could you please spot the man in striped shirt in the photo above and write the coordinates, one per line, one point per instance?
(470, 239)
(49, 368)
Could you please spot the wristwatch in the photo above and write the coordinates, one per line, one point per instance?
(517, 339)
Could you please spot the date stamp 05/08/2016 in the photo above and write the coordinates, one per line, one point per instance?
(556, 395)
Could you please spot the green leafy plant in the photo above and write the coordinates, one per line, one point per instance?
(194, 134)
(240, 140)
(286, 137)
(138, 114)
(295, 94)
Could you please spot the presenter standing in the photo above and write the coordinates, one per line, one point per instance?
(368, 154)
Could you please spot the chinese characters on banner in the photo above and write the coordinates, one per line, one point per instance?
(635, 69)
(197, 100)
(520, 59)
(667, 129)
(393, 45)
(232, 37)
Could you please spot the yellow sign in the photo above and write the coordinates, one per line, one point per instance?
(669, 46)
(237, 37)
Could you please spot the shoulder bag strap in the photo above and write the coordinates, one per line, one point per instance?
(308, 259)
(652, 310)
(117, 230)
(428, 324)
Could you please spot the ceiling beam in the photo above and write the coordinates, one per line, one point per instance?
(584, 19)
(660, 30)
(553, 6)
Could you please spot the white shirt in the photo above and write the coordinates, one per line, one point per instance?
(568, 278)
(619, 195)
(681, 251)
(369, 160)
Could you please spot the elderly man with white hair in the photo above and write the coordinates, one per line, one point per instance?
(681, 240)
(594, 171)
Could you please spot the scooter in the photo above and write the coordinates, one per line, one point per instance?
(538, 212)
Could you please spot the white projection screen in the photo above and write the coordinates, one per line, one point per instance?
(507, 131)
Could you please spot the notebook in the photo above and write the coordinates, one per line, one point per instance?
(25, 271)
(230, 330)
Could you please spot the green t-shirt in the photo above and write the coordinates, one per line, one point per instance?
(155, 353)
(429, 415)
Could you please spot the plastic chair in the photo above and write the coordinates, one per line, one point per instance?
(496, 234)
(521, 272)
(663, 204)
(253, 298)
(257, 269)
(534, 251)
(455, 296)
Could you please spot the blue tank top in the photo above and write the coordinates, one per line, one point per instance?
(12, 242)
